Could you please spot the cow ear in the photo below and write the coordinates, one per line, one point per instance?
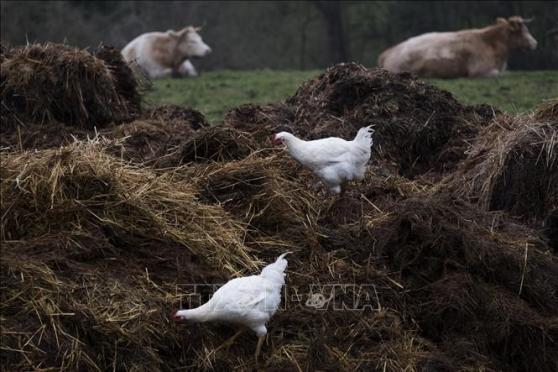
(501, 21)
(184, 31)
(172, 34)
(515, 23)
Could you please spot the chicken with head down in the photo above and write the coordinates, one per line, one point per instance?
(248, 301)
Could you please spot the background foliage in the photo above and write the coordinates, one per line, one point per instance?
(277, 34)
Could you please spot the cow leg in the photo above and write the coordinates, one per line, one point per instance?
(493, 72)
(484, 70)
(504, 67)
(187, 69)
(162, 73)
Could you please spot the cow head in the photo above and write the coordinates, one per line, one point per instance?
(519, 35)
(189, 42)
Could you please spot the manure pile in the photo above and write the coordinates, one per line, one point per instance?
(419, 127)
(442, 259)
(53, 82)
(53, 94)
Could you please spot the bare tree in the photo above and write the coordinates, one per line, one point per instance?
(331, 11)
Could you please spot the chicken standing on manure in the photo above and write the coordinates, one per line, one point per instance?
(248, 301)
(334, 160)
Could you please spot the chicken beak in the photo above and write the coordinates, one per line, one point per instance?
(276, 141)
(176, 318)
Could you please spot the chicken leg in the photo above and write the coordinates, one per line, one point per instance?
(259, 347)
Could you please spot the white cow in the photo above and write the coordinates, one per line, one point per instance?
(164, 54)
(473, 52)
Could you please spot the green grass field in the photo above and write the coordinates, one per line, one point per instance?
(214, 93)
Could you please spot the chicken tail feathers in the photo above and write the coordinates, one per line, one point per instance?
(282, 257)
(364, 136)
(278, 266)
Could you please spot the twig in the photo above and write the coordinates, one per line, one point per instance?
(524, 267)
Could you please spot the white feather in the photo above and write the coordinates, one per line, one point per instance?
(333, 160)
(250, 301)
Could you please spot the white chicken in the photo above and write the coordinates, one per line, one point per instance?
(334, 160)
(248, 301)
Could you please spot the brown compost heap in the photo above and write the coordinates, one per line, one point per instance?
(442, 259)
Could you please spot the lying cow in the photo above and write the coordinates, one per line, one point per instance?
(476, 52)
(164, 54)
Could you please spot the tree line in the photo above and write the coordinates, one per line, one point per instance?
(277, 34)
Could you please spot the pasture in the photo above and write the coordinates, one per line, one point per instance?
(214, 93)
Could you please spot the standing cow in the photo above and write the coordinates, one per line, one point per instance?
(475, 52)
(164, 54)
